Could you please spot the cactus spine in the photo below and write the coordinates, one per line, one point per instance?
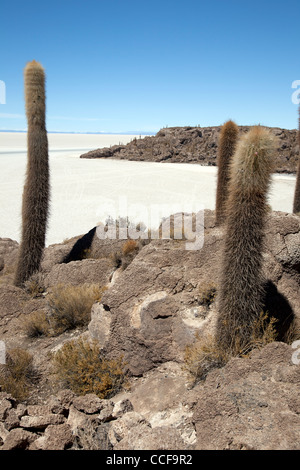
(36, 189)
(227, 145)
(296, 205)
(241, 288)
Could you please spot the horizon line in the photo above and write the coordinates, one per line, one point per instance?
(86, 132)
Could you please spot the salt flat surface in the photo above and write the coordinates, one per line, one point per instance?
(85, 191)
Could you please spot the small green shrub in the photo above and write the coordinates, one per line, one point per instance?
(80, 366)
(70, 306)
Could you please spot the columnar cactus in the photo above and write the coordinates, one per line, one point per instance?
(36, 189)
(241, 291)
(227, 145)
(296, 205)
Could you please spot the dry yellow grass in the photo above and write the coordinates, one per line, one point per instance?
(129, 247)
(17, 374)
(70, 306)
(79, 365)
(206, 353)
(36, 324)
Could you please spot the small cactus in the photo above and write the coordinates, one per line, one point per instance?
(227, 145)
(36, 189)
(240, 300)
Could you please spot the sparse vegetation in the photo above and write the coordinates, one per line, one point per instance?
(129, 247)
(70, 306)
(36, 324)
(18, 374)
(207, 293)
(80, 366)
(34, 286)
(205, 354)
(129, 251)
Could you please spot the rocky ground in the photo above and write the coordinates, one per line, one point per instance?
(195, 145)
(151, 310)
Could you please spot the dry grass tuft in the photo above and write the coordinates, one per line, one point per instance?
(36, 324)
(129, 246)
(34, 286)
(79, 365)
(207, 293)
(70, 306)
(206, 354)
(18, 374)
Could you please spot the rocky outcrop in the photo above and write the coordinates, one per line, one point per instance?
(155, 307)
(195, 145)
(251, 403)
(150, 311)
(85, 422)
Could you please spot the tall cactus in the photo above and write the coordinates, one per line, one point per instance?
(227, 145)
(36, 189)
(296, 205)
(241, 288)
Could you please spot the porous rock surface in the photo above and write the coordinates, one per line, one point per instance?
(149, 313)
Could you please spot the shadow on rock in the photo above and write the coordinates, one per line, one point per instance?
(278, 307)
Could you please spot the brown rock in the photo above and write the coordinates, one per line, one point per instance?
(38, 410)
(246, 404)
(121, 407)
(12, 420)
(41, 422)
(8, 254)
(5, 406)
(11, 300)
(142, 437)
(88, 271)
(18, 439)
(3, 433)
(106, 414)
(89, 404)
(56, 437)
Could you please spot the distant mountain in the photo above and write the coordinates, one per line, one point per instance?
(196, 145)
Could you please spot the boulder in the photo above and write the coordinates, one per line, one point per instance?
(87, 271)
(8, 255)
(41, 422)
(18, 439)
(56, 437)
(250, 404)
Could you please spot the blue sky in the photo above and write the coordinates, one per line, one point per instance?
(119, 66)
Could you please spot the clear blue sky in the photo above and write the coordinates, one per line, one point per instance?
(136, 65)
